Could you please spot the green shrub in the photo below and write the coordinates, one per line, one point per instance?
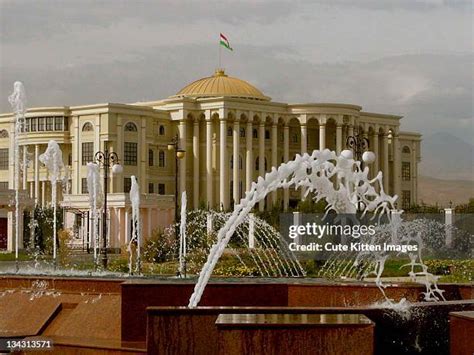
(160, 247)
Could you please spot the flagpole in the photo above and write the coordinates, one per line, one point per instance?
(219, 67)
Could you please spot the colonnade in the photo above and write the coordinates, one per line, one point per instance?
(224, 129)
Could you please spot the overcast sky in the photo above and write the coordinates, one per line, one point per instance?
(407, 57)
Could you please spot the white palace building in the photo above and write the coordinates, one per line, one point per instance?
(231, 134)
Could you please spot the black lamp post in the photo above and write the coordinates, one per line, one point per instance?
(106, 160)
(359, 146)
(179, 154)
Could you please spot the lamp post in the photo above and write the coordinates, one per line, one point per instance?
(359, 146)
(179, 154)
(106, 160)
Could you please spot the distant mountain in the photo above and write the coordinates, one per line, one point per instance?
(436, 191)
(446, 157)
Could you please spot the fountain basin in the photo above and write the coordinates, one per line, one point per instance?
(137, 295)
(150, 310)
(425, 332)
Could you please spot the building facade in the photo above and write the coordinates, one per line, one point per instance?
(230, 131)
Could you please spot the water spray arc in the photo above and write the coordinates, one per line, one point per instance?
(315, 174)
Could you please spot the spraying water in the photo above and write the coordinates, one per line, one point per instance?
(52, 159)
(18, 102)
(182, 236)
(136, 226)
(95, 201)
(339, 180)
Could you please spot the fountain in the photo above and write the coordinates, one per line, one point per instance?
(264, 257)
(136, 227)
(313, 173)
(95, 202)
(182, 237)
(52, 158)
(18, 102)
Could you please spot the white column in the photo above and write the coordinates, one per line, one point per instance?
(375, 149)
(261, 157)
(182, 162)
(43, 193)
(448, 221)
(304, 138)
(322, 136)
(248, 156)
(397, 166)
(385, 163)
(223, 187)
(274, 156)
(351, 130)
(36, 172)
(236, 160)
(196, 177)
(209, 183)
(286, 158)
(338, 139)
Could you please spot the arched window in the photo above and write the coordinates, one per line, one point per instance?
(255, 133)
(242, 132)
(130, 127)
(267, 134)
(229, 132)
(406, 150)
(161, 159)
(150, 157)
(161, 130)
(87, 127)
(3, 133)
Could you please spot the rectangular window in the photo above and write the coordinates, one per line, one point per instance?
(130, 153)
(406, 175)
(49, 123)
(4, 186)
(150, 157)
(161, 159)
(161, 189)
(34, 124)
(127, 184)
(87, 152)
(41, 124)
(84, 189)
(406, 199)
(27, 124)
(4, 159)
(58, 123)
(151, 188)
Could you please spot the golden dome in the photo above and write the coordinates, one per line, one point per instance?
(221, 85)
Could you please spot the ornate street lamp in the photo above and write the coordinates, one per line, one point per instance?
(106, 160)
(358, 149)
(179, 154)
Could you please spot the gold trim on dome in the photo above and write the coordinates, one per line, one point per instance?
(220, 84)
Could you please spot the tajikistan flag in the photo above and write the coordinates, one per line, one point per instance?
(225, 42)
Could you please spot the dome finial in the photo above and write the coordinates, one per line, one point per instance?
(220, 72)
